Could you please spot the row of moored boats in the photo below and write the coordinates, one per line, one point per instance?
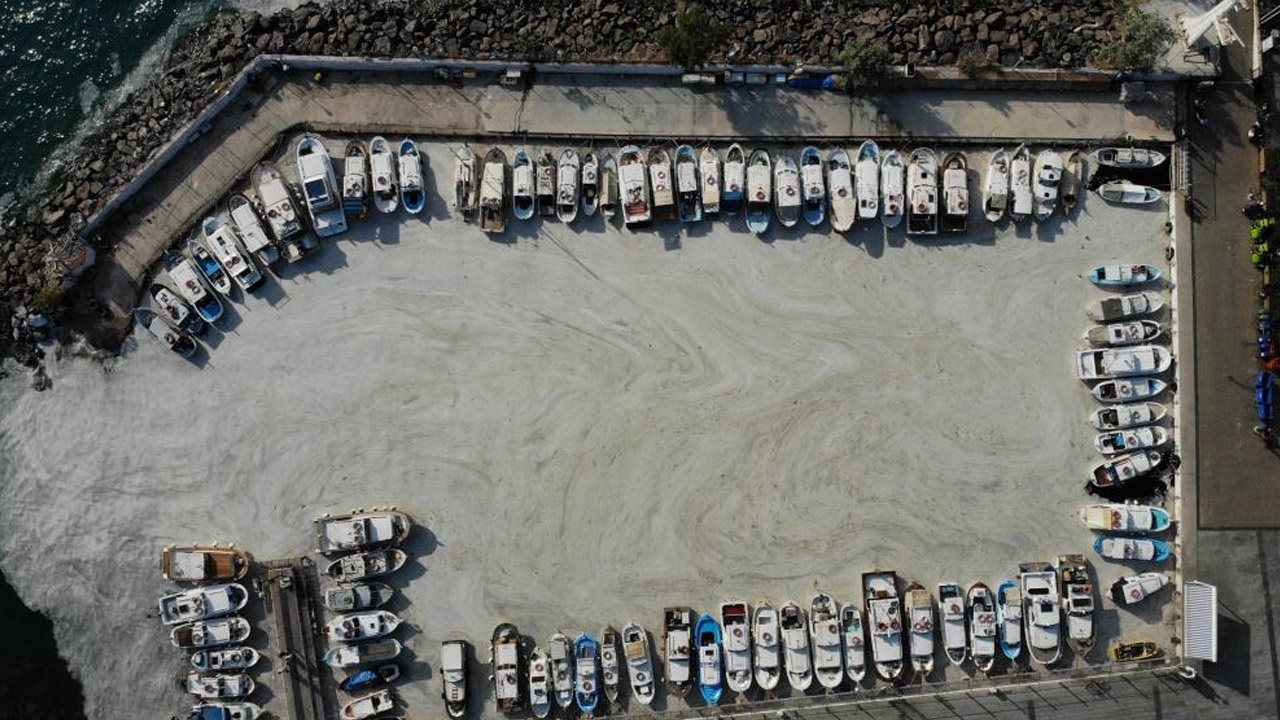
(1125, 366)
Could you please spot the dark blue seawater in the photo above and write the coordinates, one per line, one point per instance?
(60, 61)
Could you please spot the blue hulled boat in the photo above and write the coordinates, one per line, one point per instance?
(813, 188)
(586, 686)
(413, 193)
(1124, 275)
(735, 179)
(710, 673)
(1009, 618)
(759, 191)
(522, 197)
(1128, 549)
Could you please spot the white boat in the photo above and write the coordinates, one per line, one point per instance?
(413, 188)
(568, 174)
(202, 603)
(214, 274)
(795, 647)
(844, 203)
(884, 616)
(320, 187)
(635, 645)
(786, 188)
(759, 190)
(677, 644)
(221, 240)
(688, 191)
(664, 197)
(361, 626)
(1128, 389)
(919, 606)
(828, 645)
(466, 182)
(1020, 184)
(367, 706)
(254, 236)
(1128, 157)
(539, 684)
(386, 183)
(1128, 332)
(355, 180)
(493, 187)
(735, 179)
(766, 646)
(221, 686)
(1136, 588)
(504, 668)
(175, 310)
(1122, 362)
(609, 187)
(710, 176)
(225, 711)
(1120, 417)
(210, 633)
(610, 667)
(370, 653)
(922, 192)
(281, 214)
(1048, 183)
(453, 677)
(1041, 613)
(561, 656)
(1116, 442)
(854, 639)
(633, 178)
(813, 186)
(951, 612)
(1009, 618)
(225, 658)
(980, 605)
(995, 197)
(1125, 306)
(1121, 469)
(523, 203)
(1115, 517)
(1077, 602)
(166, 332)
(1126, 275)
(1072, 181)
(590, 183)
(1128, 549)
(193, 287)
(955, 193)
(365, 565)
(892, 189)
(735, 619)
(1127, 193)
(361, 530)
(545, 184)
(867, 178)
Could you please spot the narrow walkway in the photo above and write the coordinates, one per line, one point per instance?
(293, 589)
(576, 107)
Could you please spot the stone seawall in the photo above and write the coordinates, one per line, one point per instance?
(1025, 33)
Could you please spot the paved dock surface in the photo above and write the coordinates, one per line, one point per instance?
(293, 602)
(576, 108)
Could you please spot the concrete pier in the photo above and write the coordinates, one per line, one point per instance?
(295, 652)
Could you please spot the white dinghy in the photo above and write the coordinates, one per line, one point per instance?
(844, 205)
(996, 191)
(766, 640)
(828, 648)
(854, 638)
(735, 619)
(867, 177)
(1020, 184)
(386, 183)
(795, 644)
(635, 645)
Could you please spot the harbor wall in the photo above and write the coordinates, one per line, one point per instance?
(216, 60)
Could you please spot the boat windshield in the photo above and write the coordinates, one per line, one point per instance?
(317, 192)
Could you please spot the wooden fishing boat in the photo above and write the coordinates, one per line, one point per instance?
(590, 184)
(166, 332)
(545, 184)
(735, 179)
(1072, 180)
(355, 180)
(1127, 193)
(710, 666)
(633, 177)
(203, 563)
(568, 175)
(386, 183)
(884, 615)
(677, 641)
(844, 204)
(735, 619)
(245, 220)
(828, 645)
(955, 193)
(505, 668)
(1077, 603)
(466, 182)
(980, 604)
(1041, 612)
(797, 656)
(853, 636)
(710, 176)
(951, 613)
(361, 530)
(892, 190)
(493, 187)
(1115, 517)
(635, 644)
(609, 187)
(919, 607)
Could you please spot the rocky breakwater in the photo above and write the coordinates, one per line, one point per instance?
(1028, 33)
